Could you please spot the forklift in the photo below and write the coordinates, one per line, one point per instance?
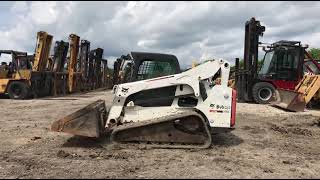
(283, 66)
(13, 76)
(27, 75)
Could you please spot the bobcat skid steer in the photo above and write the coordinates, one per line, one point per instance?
(176, 111)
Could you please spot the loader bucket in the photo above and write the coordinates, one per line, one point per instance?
(290, 100)
(88, 121)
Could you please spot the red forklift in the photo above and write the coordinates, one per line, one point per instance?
(283, 66)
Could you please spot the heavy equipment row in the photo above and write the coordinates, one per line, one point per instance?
(73, 67)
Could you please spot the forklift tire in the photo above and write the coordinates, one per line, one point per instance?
(18, 90)
(263, 92)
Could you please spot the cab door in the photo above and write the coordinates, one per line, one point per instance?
(286, 68)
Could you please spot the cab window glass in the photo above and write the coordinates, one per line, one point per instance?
(152, 69)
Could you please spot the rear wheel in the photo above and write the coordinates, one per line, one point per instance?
(262, 92)
(18, 90)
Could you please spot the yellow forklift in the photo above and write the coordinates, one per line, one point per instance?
(15, 76)
(26, 76)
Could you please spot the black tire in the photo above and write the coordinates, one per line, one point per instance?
(18, 90)
(263, 92)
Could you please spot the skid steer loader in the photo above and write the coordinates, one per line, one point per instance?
(196, 106)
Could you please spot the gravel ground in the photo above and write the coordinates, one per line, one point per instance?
(267, 143)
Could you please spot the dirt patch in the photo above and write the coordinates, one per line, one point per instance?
(254, 129)
(316, 123)
(62, 154)
(294, 130)
(266, 143)
(36, 137)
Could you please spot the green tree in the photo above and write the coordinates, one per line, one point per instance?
(315, 53)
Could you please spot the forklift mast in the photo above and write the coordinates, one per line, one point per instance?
(60, 55)
(43, 46)
(105, 80)
(84, 58)
(73, 56)
(90, 77)
(97, 55)
(116, 69)
(245, 77)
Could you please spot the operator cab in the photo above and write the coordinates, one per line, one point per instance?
(19, 61)
(138, 66)
(281, 61)
(284, 61)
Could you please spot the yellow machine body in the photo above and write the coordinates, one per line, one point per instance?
(307, 89)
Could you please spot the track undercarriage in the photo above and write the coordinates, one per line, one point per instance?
(188, 130)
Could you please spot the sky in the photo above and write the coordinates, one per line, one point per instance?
(193, 31)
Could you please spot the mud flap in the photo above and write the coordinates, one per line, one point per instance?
(291, 100)
(88, 121)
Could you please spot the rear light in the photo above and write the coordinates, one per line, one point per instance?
(233, 108)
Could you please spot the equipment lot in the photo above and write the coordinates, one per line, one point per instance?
(267, 143)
